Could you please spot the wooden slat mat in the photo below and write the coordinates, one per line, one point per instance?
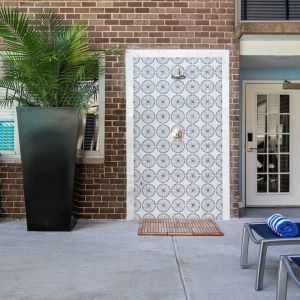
(189, 227)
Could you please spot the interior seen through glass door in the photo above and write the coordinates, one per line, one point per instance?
(273, 143)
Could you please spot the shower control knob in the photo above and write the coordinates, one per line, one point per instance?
(177, 134)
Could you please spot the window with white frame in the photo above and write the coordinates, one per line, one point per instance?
(9, 139)
(91, 149)
(7, 128)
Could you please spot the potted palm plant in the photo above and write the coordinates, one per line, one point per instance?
(46, 65)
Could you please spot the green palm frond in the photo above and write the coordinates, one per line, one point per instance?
(14, 92)
(46, 62)
(17, 32)
(50, 28)
(114, 51)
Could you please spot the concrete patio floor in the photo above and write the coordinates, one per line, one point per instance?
(108, 260)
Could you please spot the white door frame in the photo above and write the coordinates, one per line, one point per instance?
(130, 54)
(243, 137)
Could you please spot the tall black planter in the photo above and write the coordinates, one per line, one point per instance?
(48, 142)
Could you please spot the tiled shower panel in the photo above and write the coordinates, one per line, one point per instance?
(177, 137)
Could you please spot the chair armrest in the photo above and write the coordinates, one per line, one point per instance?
(286, 259)
(251, 235)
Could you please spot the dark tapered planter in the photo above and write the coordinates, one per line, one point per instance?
(48, 142)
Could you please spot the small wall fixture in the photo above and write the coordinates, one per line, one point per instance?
(178, 76)
(287, 85)
(177, 134)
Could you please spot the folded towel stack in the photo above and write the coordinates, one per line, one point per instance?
(282, 226)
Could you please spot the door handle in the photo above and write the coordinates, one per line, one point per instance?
(250, 142)
(252, 148)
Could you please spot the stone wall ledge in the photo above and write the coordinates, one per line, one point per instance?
(267, 27)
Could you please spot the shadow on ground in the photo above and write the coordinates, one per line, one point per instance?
(108, 260)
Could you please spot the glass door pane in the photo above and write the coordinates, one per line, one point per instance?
(273, 143)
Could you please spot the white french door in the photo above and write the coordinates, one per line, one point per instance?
(272, 145)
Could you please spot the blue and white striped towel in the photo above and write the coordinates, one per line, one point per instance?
(282, 226)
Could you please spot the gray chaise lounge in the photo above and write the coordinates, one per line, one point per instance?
(285, 269)
(261, 234)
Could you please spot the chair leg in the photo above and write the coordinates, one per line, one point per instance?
(244, 248)
(282, 282)
(261, 266)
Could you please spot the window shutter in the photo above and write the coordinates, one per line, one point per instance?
(294, 6)
(91, 132)
(268, 9)
(7, 127)
(7, 130)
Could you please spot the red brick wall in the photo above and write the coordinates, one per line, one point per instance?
(191, 24)
(11, 187)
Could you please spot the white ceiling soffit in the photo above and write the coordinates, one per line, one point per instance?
(282, 45)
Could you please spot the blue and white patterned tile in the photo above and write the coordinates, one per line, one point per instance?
(178, 178)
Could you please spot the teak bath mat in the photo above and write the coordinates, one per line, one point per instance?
(189, 227)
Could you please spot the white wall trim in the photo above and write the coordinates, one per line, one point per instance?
(226, 137)
(129, 136)
(130, 54)
(270, 45)
(243, 136)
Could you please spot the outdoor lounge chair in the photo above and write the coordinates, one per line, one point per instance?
(285, 269)
(261, 234)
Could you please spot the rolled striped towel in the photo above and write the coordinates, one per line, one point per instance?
(282, 226)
